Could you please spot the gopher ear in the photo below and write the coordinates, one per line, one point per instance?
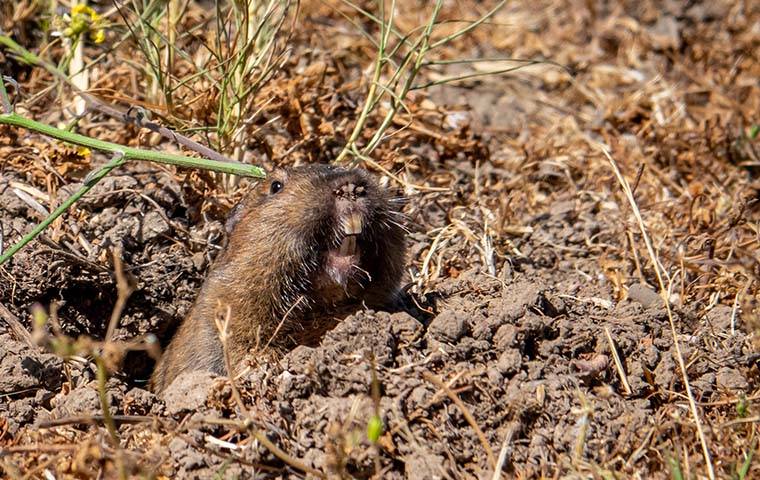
(235, 215)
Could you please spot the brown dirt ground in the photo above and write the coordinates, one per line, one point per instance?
(528, 274)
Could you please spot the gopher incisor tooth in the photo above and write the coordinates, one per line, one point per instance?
(352, 225)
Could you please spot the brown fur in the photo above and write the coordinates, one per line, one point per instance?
(275, 261)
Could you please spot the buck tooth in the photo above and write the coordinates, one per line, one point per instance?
(352, 224)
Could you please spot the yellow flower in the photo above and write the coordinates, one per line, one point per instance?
(98, 36)
(83, 151)
(82, 9)
(83, 19)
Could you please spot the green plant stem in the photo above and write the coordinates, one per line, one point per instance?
(401, 82)
(92, 179)
(4, 100)
(423, 50)
(121, 153)
(368, 104)
(130, 153)
(32, 59)
(744, 470)
(474, 75)
(102, 377)
(469, 27)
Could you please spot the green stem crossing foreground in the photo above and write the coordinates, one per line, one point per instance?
(92, 179)
(130, 153)
(121, 155)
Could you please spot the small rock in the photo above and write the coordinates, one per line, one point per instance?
(731, 379)
(705, 385)
(199, 261)
(188, 391)
(448, 326)
(186, 456)
(153, 225)
(562, 208)
(292, 386)
(515, 301)
(644, 295)
(21, 412)
(665, 34)
(419, 396)
(505, 337)
(301, 360)
(664, 372)
(138, 402)
(494, 376)
(481, 330)
(592, 367)
(22, 368)
(719, 317)
(509, 362)
(82, 400)
(423, 466)
(457, 120)
(650, 356)
(405, 327)
(556, 306)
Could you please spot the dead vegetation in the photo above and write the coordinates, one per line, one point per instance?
(507, 177)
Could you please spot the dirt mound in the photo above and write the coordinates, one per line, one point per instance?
(526, 362)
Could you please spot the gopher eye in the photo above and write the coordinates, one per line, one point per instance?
(275, 187)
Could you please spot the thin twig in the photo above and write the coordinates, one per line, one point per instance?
(95, 419)
(123, 289)
(301, 298)
(511, 429)
(102, 376)
(222, 324)
(467, 76)
(585, 412)
(37, 449)
(664, 293)
(471, 26)
(21, 333)
(466, 413)
(618, 363)
(380, 62)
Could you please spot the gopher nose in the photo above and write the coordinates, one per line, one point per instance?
(349, 206)
(350, 191)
